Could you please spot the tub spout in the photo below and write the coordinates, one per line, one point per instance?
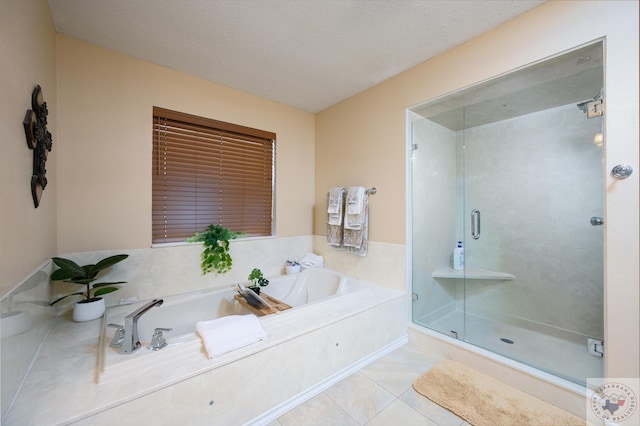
(131, 341)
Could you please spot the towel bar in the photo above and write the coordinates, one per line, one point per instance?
(371, 191)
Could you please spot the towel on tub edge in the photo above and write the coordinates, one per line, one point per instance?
(222, 335)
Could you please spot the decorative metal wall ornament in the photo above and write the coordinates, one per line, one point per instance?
(38, 139)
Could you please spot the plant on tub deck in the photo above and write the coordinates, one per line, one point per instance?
(69, 271)
(257, 280)
(215, 254)
(292, 267)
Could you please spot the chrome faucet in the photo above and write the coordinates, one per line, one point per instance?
(131, 341)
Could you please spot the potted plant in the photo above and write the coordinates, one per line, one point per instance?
(92, 306)
(292, 267)
(257, 280)
(215, 254)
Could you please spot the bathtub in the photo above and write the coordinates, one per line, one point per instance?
(316, 296)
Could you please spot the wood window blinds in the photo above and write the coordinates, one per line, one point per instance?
(209, 172)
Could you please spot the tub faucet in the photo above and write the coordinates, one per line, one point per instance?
(131, 341)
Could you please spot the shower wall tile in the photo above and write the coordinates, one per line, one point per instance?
(537, 180)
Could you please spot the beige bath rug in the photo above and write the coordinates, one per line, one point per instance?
(483, 401)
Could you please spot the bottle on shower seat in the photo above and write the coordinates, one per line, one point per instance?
(458, 257)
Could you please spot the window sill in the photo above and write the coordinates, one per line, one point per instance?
(185, 243)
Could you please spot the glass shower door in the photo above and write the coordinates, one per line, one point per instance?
(534, 261)
(513, 168)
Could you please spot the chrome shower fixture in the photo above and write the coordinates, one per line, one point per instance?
(593, 107)
(584, 106)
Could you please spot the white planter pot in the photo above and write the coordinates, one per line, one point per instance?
(87, 311)
(292, 269)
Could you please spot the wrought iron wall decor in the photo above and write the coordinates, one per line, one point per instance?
(38, 139)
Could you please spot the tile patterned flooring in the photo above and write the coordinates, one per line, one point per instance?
(378, 394)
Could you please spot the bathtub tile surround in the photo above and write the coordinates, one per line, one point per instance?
(61, 386)
(174, 269)
(25, 321)
(159, 271)
(384, 264)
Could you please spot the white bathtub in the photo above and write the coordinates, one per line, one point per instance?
(181, 312)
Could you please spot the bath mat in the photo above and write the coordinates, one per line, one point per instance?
(483, 401)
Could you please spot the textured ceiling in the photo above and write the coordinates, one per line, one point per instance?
(303, 53)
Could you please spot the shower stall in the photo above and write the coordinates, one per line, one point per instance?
(513, 168)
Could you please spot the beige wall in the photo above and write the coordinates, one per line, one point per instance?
(105, 112)
(27, 58)
(362, 139)
(99, 189)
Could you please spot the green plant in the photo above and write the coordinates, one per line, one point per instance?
(257, 280)
(71, 272)
(215, 254)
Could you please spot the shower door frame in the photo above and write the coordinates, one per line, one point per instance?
(410, 187)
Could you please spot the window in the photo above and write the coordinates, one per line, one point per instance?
(209, 172)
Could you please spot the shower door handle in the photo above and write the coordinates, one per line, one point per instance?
(475, 224)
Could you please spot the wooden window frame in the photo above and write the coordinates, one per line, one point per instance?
(207, 171)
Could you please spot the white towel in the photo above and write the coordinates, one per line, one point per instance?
(226, 334)
(354, 200)
(334, 205)
(311, 260)
(354, 216)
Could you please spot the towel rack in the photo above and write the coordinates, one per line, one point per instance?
(371, 191)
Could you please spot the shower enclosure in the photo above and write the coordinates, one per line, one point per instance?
(513, 169)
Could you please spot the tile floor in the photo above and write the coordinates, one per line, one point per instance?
(379, 394)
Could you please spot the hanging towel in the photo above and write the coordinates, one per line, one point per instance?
(354, 216)
(354, 200)
(225, 334)
(357, 240)
(334, 208)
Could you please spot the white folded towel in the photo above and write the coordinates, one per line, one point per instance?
(354, 200)
(335, 199)
(334, 205)
(311, 260)
(354, 217)
(226, 334)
